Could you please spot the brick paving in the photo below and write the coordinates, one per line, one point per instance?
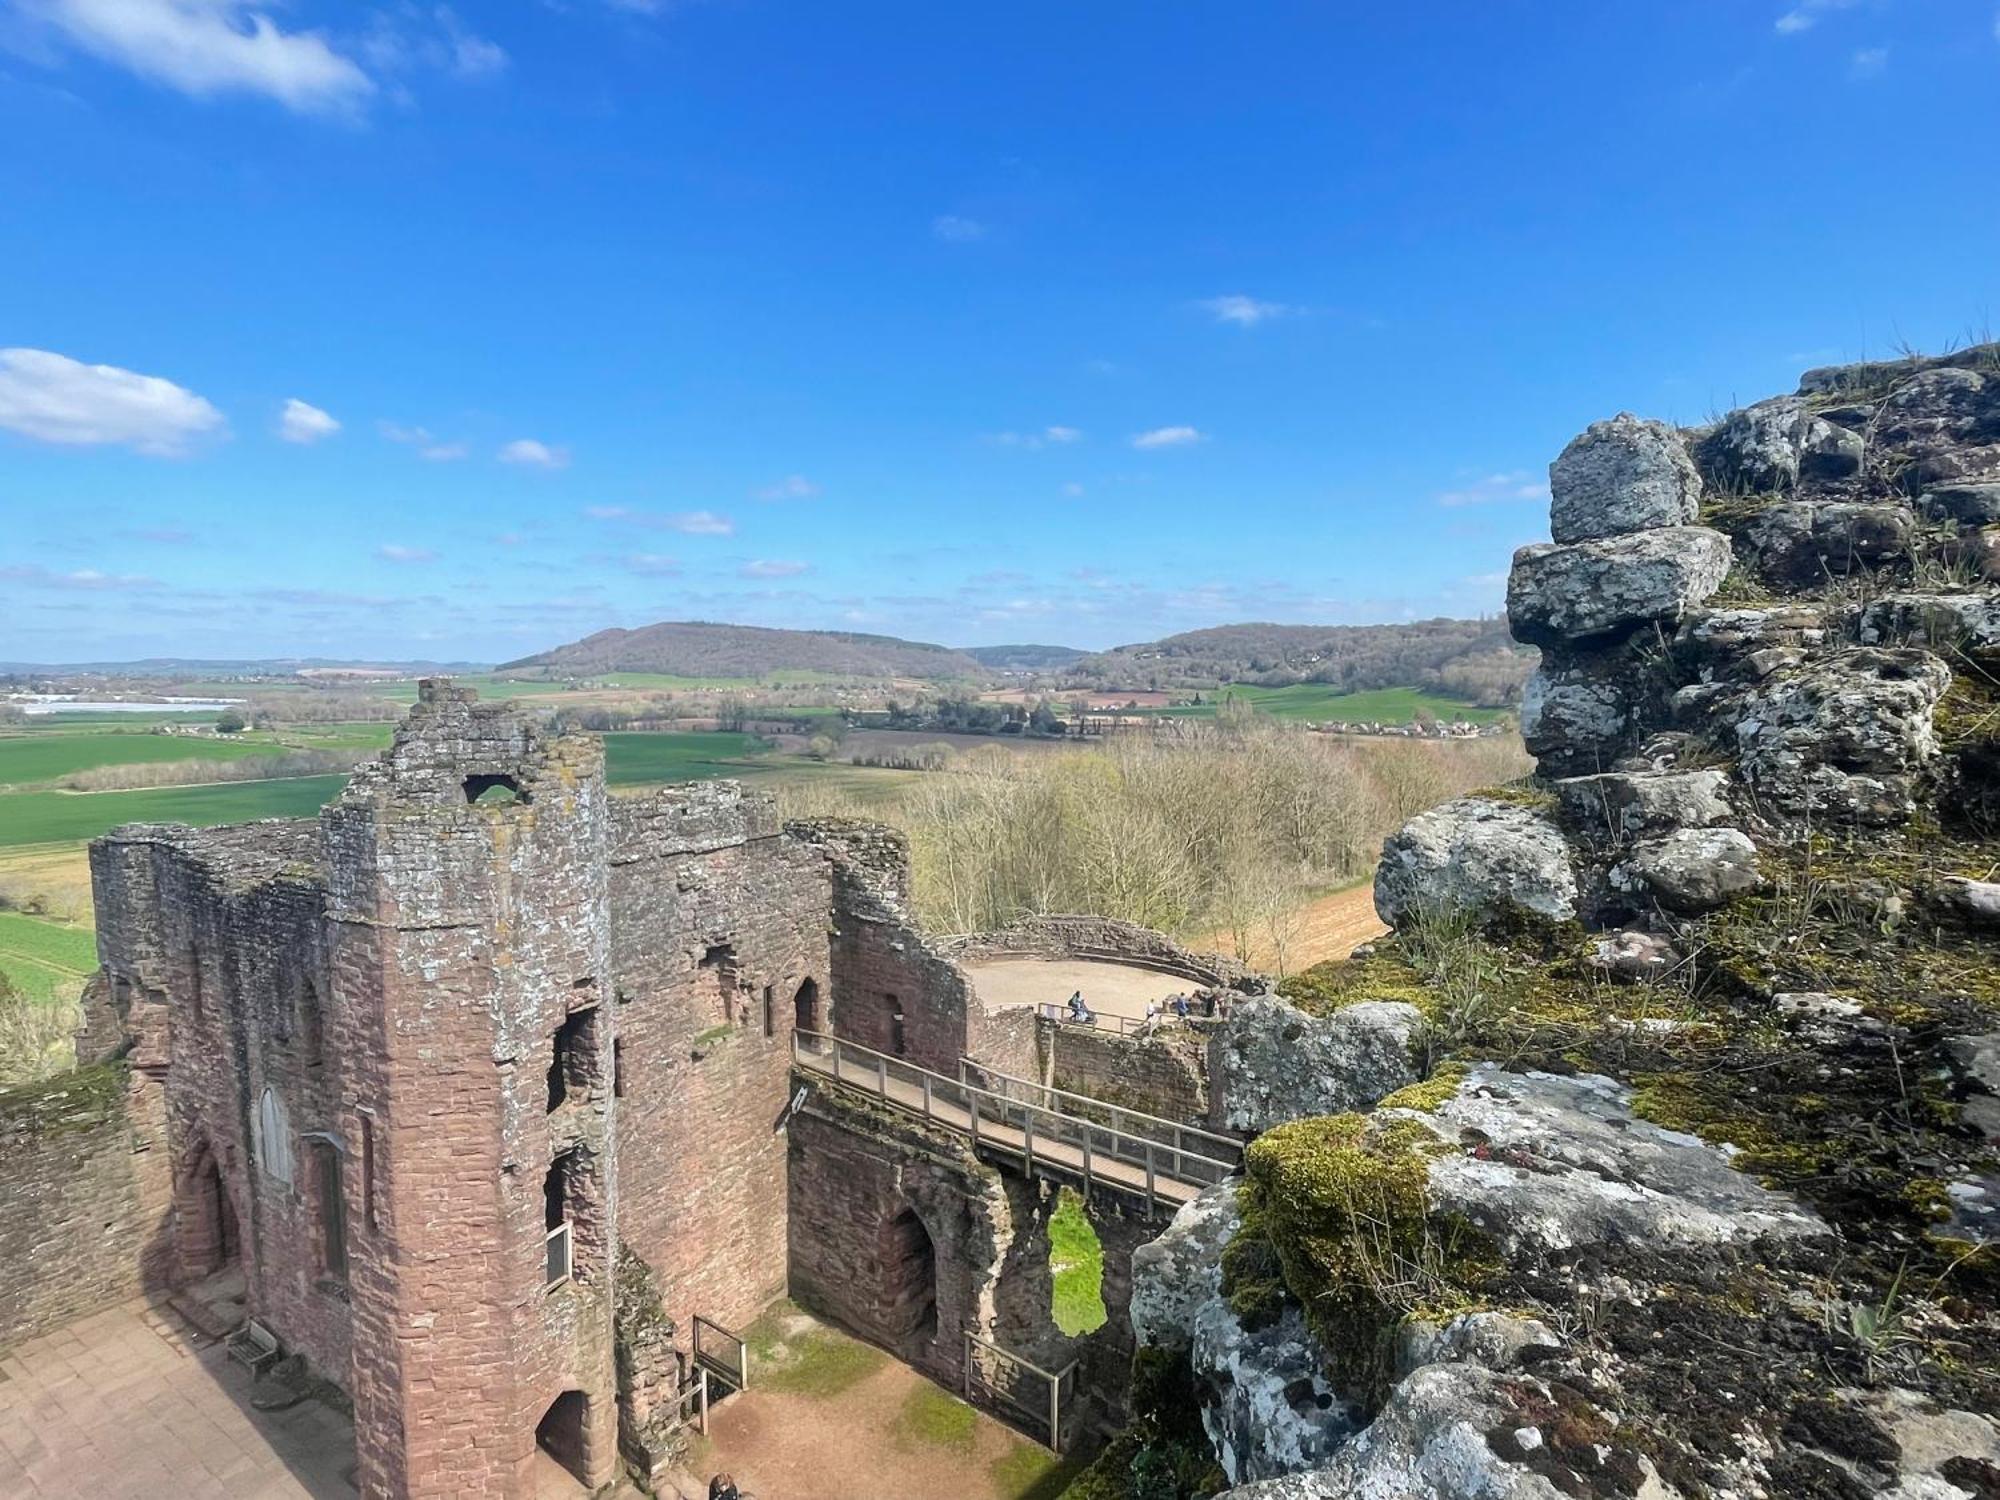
(131, 1402)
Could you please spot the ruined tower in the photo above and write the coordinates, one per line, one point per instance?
(470, 954)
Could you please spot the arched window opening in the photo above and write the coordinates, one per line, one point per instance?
(493, 791)
(573, 1057)
(1076, 1268)
(271, 1137)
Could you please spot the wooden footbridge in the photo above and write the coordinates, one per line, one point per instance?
(1036, 1129)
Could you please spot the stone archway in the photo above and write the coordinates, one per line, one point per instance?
(208, 1235)
(907, 1295)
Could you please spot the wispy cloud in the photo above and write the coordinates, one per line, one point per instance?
(791, 487)
(89, 580)
(1056, 436)
(1244, 312)
(954, 229)
(396, 552)
(1869, 61)
(773, 568)
(1513, 486)
(687, 522)
(653, 564)
(301, 422)
(55, 399)
(1168, 437)
(1808, 14)
(427, 446)
(533, 454)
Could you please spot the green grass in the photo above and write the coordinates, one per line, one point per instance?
(934, 1418)
(1318, 702)
(647, 757)
(814, 1361)
(43, 757)
(45, 960)
(1076, 1264)
(1030, 1472)
(50, 817)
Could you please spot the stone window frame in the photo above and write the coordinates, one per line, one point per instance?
(271, 1138)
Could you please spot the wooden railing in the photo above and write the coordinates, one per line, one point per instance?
(1131, 1122)
(722, 1352)
(995, 1376)
(1166, 1170)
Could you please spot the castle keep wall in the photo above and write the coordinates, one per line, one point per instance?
(718, 924)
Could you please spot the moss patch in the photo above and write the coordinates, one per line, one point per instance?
(69, 1102)
(931, 1418)
(790, 1352)
(1338, 983)
(1076, 1267)
(1432, 1094)
(1162, 1452)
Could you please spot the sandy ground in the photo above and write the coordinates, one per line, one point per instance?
(1331, 927)
(1113, 989)
(859, 1444)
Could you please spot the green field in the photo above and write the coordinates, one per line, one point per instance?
(49, 817)
(1317, 702)
(45, 960)
(646, 757)
(43, 757)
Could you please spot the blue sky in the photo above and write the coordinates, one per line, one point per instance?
(1059, 322)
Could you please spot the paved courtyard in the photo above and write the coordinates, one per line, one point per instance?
(132, 1404)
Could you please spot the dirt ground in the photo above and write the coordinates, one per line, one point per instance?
(1330, 927)
(888, 1433)
(1113, 989)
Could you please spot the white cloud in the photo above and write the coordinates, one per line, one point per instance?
(955, 230)
(1055, 435)
(1244, 312)
(1512, 486)
(1869, 61)
(396, 552)
(535, 455)
(653, 564)
(1809, 13)
(791, 487)
(302, 422)
(1167, 437)
(687, 522)
(773, 568)
(208, 47)
(420, 439)
(56, 399)
(444, 453)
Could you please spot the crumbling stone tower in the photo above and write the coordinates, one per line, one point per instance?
(470, 955)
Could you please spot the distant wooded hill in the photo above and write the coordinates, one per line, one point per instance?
(698, 648)
(1025, 658)
(1475, 660)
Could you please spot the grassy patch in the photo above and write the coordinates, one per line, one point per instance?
(932, 1418)
(1029, 1472)
(49, 817)
(792, 1353)
(45, 960)
(1319, 703)
(26, 758)
(644, 757)
(1076, 1266)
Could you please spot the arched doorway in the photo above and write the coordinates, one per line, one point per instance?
(205, 1219)
(560, 1434)
(908, 1308)
(805, 1007)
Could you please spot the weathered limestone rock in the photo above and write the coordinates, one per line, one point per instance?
(1712, 641)
(1967, 504)
(1620, 476)
(1691, 870)
(1804, 541)
(1944, 622)
(1567, 1164)
(1174, 1275)
(1562, 593)
(1272, 1062)
(1635, 956)
(1773, 444)
(1576, 717)
(1493, 1339)
(1939, 409)
(1431, 1442)
(1842, 736)
(1976, 900)
(1624, 804)
(1488, 861)
(1266, 1408)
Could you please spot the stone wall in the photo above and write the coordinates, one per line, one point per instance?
(718, 922)
(85, 1180)
(1105, 939)
(1164, 1072)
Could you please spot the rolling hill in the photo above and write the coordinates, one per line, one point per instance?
(700, 648)
(1026, 658)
